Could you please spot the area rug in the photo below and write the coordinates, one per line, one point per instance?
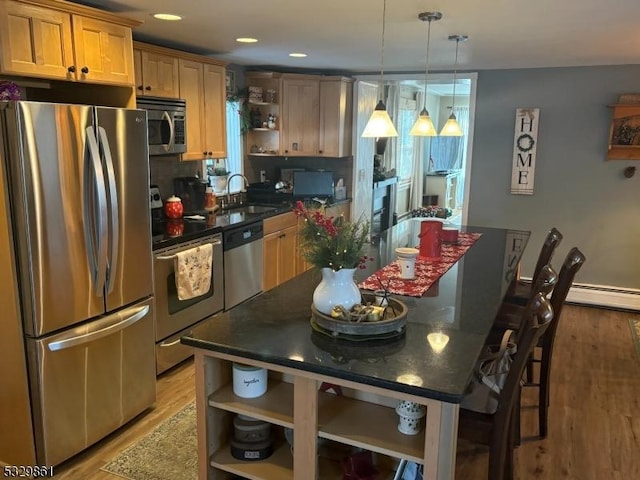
(635, 334)
(167, 453)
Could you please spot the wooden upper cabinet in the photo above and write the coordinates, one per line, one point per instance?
(316, 116)
(202, 85)
(300, 116)
(38, 41)
(192, 91)
(336, 107)
(35, 41)
(157, 74)
(103, 51)
(215, 110)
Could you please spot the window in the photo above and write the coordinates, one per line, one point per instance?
(233, 162)
(407, 114)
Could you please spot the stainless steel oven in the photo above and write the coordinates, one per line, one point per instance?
(174, 317)
(166, 124)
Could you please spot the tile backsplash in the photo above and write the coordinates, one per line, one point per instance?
(163, 169)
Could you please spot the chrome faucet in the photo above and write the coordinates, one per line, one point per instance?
(246, 184)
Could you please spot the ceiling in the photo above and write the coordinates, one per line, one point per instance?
(345, 35)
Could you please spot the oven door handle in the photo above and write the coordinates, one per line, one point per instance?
(217, 241)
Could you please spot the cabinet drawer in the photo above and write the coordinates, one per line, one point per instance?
(279, 222)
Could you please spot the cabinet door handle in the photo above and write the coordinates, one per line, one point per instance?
(204, 153)
(147, 88)
(286, 151)
(319, 151)
(71, 69)
(140, 87)
(84, 70)
(209, 153)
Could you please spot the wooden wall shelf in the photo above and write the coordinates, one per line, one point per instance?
(624, 135)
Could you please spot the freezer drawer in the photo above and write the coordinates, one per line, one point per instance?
(89, 380)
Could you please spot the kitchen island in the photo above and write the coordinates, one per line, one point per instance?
(272, 331)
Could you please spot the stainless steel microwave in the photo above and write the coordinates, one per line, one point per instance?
(166, 124)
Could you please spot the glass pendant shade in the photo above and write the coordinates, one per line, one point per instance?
(423, 126)
(379, 124)
(451, 128)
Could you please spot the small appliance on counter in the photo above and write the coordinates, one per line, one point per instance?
(155, 203)
(191, 191)
(308, 184)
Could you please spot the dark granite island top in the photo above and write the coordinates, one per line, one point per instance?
(274, 326)
(273, 331)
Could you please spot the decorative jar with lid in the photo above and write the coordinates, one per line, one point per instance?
(173, 207)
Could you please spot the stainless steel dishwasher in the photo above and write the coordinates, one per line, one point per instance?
(242, 263)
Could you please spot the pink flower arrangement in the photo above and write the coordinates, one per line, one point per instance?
(9, 91)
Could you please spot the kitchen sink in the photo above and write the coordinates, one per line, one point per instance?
(249, 209)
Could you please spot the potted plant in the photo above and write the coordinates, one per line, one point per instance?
(336, 247)
(218, 176)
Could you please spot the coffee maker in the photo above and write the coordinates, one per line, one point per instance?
(191, 191)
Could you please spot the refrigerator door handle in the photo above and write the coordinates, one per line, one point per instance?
(96, 247)
(172, 133)
(114, 233)
(108, 326)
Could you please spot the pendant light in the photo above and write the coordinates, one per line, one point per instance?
(424, 125)
(379, 124)
(451, 128)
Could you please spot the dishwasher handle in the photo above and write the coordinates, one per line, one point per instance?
(238, 236)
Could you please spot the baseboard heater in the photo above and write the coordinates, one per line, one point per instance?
(604, 296)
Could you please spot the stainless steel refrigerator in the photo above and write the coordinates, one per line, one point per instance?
(76, 183)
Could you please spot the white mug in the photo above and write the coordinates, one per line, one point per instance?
(407, 268)
(407, 262)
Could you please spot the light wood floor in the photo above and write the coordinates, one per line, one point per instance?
(594, 431)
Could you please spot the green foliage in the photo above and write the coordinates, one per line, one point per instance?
(331, 242)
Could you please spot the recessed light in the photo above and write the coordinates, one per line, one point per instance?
(298, 55)
(167, 16)
(246, 40)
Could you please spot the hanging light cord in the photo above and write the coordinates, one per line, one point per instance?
(384, 15)
(455, 70)
(426, 71)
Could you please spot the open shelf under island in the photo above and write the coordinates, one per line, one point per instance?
(272, 331)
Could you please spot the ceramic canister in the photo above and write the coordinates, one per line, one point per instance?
(407, 262)
(173, 207)
(248, 381)
(430, 239)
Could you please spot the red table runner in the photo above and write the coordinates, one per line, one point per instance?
(427, 272)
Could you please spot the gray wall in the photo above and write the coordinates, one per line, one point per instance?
(576, 190)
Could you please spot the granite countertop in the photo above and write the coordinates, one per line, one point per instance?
(274, 326)
(163, 232)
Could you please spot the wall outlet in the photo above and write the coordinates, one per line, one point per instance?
(263, 176)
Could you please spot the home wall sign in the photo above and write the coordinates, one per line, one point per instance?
(525, 141)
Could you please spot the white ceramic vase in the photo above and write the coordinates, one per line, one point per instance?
(336, 288)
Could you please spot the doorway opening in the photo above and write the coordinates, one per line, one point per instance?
(430, 171)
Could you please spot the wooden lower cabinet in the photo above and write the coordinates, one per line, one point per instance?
(279, 249)
(327, 427)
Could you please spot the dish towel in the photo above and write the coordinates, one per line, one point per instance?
(193, 271)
